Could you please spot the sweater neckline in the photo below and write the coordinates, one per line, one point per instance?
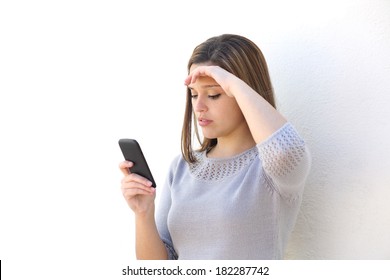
(218, 169)
(224, 159)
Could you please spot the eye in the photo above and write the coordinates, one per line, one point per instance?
(215, 96)
(194, 96)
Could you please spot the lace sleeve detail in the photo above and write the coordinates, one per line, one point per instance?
(286, 159)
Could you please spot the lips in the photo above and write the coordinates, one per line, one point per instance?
(204, 122)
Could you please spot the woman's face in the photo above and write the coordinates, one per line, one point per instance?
(217, 114)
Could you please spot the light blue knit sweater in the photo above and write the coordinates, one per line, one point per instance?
(243, 207)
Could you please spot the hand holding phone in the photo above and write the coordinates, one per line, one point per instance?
(131, 151)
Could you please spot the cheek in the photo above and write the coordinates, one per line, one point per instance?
(237, 118)
(231, 115)
(233, 111)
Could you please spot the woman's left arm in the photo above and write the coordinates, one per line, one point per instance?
(263, 119)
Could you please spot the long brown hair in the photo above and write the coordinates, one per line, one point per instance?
(237, 55)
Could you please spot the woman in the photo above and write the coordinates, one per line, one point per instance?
(238, 195)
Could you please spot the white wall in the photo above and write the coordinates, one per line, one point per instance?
(333, 81)
(78, 75)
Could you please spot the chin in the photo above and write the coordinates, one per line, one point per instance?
(209, 135)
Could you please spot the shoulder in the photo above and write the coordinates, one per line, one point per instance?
(178, 164)
(177, 161)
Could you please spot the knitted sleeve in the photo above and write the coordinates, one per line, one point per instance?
(164, 206)
(286, 161)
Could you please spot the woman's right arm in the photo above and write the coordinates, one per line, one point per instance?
(139, 195)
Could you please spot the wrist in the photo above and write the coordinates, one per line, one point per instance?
(145, 214)
(232, 85)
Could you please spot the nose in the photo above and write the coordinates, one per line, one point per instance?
(199, 105)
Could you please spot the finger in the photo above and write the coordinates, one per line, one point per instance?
(129, 194)
(136, 189)
(125, 166)
(133, 177)
(187, 81)
(135, 180)
(191, 79)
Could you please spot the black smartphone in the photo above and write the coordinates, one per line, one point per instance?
(131, 151)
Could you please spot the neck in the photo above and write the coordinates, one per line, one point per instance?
(229, 147)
